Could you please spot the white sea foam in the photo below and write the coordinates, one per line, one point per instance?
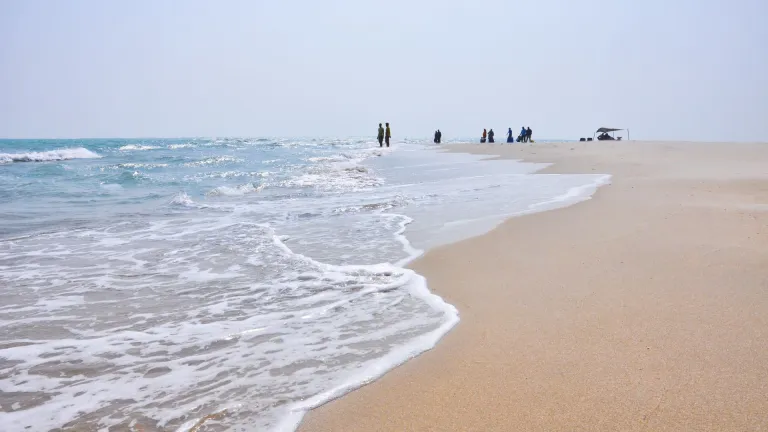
(52, 155)
(112, 187)
(132, 165)
(182, 199)
(227, 175)
(235, 191)
(234, 322)
(335, 158)
(214, 160)
(129, 147)
(336, 174)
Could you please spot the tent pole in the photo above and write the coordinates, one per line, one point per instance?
(627, 134)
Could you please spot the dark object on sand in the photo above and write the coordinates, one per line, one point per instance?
(582, 139)
(605, 137)
(603, 131)
(589, 139)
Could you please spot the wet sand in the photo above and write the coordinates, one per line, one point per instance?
(645, 308)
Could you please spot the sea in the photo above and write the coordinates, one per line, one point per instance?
(229, 284)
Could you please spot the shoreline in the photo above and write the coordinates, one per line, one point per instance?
(580, 328)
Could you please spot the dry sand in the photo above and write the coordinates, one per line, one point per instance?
(645, 308)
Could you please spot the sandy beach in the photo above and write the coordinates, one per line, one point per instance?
(644, 308)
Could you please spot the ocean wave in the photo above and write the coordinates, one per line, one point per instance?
(181, 146)
(137, 147)
(111, 187)
(46, 156)
(216, 160)
(230, 174)
(235, 191)
(129, 177)
(341, 171)
(396, 201)
(335, 158)
(335, 176)
(142, 165)
(182, 199)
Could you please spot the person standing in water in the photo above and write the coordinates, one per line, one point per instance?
(380, 136)
(387, 135)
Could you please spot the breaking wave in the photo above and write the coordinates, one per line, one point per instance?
(235, 191)
(137, 147)
(46, 156)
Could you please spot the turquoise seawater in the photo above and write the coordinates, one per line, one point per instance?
(77, 180)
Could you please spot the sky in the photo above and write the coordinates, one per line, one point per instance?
(665, 69)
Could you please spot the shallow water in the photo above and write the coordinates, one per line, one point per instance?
(228, 284)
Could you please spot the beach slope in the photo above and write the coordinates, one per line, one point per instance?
(645, 308)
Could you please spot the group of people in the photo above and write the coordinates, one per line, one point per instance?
(525, 136)
(384, 135)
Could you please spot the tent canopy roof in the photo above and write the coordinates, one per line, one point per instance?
(605, 129)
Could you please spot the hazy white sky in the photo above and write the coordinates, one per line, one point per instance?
(666, 69)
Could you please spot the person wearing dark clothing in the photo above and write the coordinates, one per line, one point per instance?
(482, 139)
(510, 138)
(387, 135)
(380, 136)
(439, 136)
(490, 136)
(523, 134)
(528, 134)
(435, 139)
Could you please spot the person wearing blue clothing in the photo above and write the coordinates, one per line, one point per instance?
(510, 138)
(523, 134)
